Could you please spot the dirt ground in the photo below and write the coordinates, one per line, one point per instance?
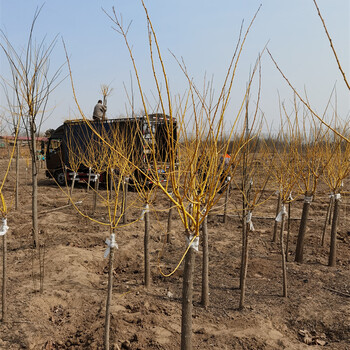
(69, 313)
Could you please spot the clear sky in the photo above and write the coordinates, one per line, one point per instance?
(202, 32)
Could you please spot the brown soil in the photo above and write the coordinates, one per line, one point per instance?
(69, 314)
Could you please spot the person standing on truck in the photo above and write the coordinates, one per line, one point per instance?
(99, 111)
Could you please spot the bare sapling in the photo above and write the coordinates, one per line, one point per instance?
(32, 86)
(254, 181)
(146, 193)
(337, 168)
(286, 176)
(106, 91)
(308, 163)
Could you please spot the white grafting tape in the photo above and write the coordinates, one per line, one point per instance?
(144, 211)
(111, 243)
(282, 212)
(3, 228)
(249, 220)
(308, 199)
(195, 243)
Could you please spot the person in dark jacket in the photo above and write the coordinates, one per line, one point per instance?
(99, 111)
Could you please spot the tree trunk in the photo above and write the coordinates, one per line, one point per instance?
(332, 261)
(146, 250)
(187, 295)
(244, 247)
(17, 175)
(226, 203)
(328, 215)
(109, 293)
(284, 267)
(205, 265)
(4, 278)
(331, 210)
(244, 263)
(299, 251)
(35, 227)
(288, 231)
(274, 238)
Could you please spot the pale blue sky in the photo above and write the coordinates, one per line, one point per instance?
(203, 32)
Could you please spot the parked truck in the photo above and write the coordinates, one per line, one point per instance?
(86, 150)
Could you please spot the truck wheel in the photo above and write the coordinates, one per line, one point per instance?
(60, 178)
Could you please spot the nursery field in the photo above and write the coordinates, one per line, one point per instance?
(70, 311)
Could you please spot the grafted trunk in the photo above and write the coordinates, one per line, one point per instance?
(299, 251)
(109, 293)
(244, 246)
(187, 296)
(146, 250)
(244, 262)
(4, 278)
(35, 226)
(328, 215)
(205, 264)
(332, 261)
(283, 257)
(288, 231)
